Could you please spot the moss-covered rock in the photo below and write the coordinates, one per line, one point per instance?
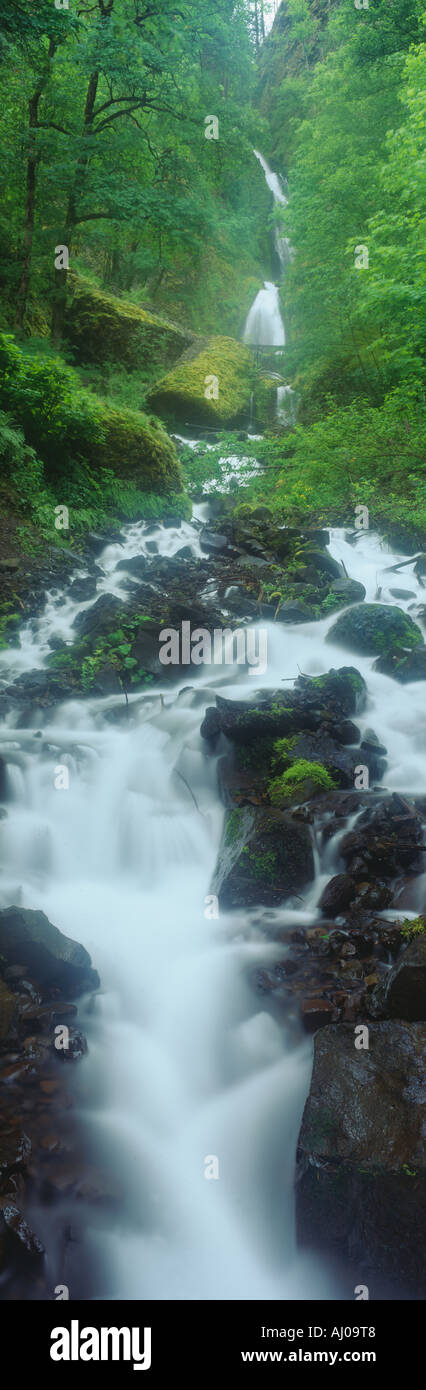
(212, 387)
(264, 856)
(67, 425)
(135, 446)
(103, 327)
(375, 630)
(299, 782)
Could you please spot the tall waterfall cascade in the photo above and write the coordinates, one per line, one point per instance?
(264, 325)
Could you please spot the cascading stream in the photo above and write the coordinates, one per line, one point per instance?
(264, 325)
(184, 1063)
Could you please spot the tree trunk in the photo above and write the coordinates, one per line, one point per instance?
(60, 292)
(31, 184)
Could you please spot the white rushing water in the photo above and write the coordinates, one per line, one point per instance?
(184, 1061)
(264, 326)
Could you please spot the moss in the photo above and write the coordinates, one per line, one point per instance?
(233, 827)
(260, 865)
(413, 927)
(103, 327)
(375, 629)
(181, 394)
(283, 747)
(281, 789)
(134, 446)
(255, 757)
(67, 426)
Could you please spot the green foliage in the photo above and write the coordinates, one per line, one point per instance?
(356, 454)
(413, 927)
(346, 99)
(124, 174)
(69, 427)
(296, 779)
(115, 649)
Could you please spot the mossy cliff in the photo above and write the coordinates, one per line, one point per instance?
(103, 327)
(212, 386)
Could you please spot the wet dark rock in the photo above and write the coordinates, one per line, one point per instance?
(375, 630)
(404, 991)
(21, 1241)
(404, 668)
(420, 566)
(95, 542)
(101, 617)
(337, 895)
(361, 1179)
(348, 590)
(15, 1150)
(324, 562)
(316, 1013)
(83, 589)
(402, 593)
(293, 610)
(135, 564)
(371, 743)
(185, 553)
(342, 692)
(345, 731)
(386, 840)
(41, 688)
(264, 856)
(211, 725)
(374, 895)
(340, 761)
(213, 541)
(28, 938)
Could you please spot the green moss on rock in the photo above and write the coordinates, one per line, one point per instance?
(137, 447)
(181, 395)
(69, 426)
(303, 778)
(375, 629)
(103, 327)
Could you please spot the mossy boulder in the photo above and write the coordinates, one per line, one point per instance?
(264, 856)
(212, 387)
(135, 446)
(103, 327)
(68, 425)
(375, 630)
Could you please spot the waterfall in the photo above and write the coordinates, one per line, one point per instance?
(264, 326)
(286, 407)
(184, 1061)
